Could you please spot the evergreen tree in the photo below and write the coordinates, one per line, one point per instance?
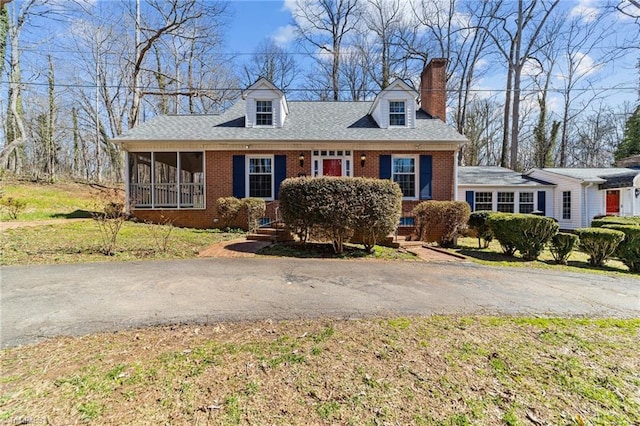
(630, 144)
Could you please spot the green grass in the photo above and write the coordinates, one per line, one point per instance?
(55, 201)
(438, 370)
(79, 242)
(493, 255)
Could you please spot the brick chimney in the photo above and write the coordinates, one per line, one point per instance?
(433, 84)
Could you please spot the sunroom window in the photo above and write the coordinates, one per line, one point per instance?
(166, 180)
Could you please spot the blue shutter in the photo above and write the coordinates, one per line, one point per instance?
(385, 167)
(425, 177)
(279, 173)
(470, 198)
(238, 176)
(542, 202)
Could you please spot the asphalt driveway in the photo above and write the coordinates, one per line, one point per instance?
(37, 302)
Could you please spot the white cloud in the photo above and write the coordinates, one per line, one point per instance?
(586, 10)
(585, 64)
(284, 35)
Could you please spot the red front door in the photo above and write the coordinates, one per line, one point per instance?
(332, 167)
(613, 202)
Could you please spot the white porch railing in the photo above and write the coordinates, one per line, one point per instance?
(167, 195)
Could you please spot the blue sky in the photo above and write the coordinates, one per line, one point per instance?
(255, 21)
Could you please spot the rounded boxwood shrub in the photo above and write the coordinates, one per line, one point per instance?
(448, 217)
(628, 251)
(478, 222)
(599, 243)
(340, 207)
(228, 209)
(562, 244)
(525, 233)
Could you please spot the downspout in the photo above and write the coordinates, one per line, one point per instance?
(585, 216)
(455, 175)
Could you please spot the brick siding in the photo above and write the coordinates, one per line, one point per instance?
(219, 181)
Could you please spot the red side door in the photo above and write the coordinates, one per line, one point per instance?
(332, 167)
(613, 202)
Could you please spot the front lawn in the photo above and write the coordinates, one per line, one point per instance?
(493, 255)
(81, 241)
(438, 370)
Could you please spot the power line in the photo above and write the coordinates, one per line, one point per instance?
(240, 89)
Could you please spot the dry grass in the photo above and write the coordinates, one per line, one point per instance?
(434, 370)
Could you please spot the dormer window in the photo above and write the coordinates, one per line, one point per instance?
(397, 113)
(264, 113)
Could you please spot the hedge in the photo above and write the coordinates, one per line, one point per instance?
(478, 222)
(340, 207)
(599, 243)
(525, 233)
(228, 208)
(562, 244)
(599, 222)
(628, 251)
(450, 217)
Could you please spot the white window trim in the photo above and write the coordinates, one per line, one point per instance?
(273, 115)
(318, 172)
(406, 121)
(248, 173)
(416, 159)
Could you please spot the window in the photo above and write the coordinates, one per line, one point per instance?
(397, 115)
(525, 200)
(407, 221)
(403, 171)
(566, 205)
(483, 201)
(506, 202)
(264, 113)
(166, 179)
(260, 177)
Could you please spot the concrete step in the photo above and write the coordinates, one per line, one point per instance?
(261, 237)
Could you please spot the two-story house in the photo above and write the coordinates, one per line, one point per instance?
(178, 165)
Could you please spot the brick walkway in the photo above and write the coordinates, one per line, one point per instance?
(235, 248)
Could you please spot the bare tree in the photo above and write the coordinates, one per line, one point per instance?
(384, 21)
(324, 25)
(273, 63)
(581, 57)
(515, 35)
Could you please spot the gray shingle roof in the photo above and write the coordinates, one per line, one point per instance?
(495, 176)
(591, 174)
(307, 121)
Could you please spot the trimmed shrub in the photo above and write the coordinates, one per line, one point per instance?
(228, 209)
(338, 207)
(478, 222)
(525, 233)
(562, 244)
(601, 221)
(256, 208)
(450, 217)
(628, 251)
(377, 207)
(599, 243)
